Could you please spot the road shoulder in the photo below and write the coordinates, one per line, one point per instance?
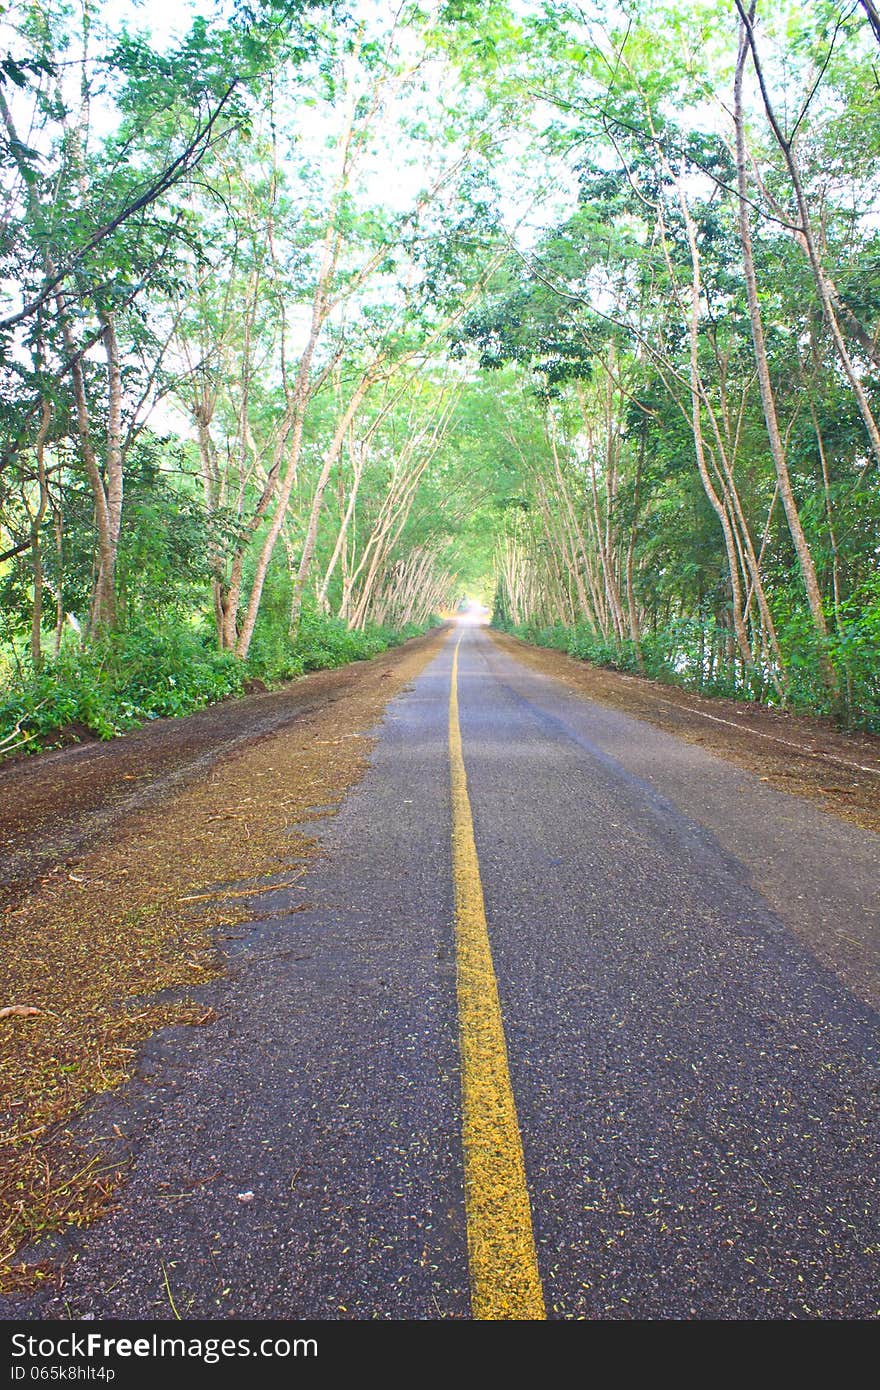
(803, 756)
(120, 942)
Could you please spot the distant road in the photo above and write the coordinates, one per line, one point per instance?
(604, 940)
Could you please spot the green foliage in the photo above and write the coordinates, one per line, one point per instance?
(585, 644)
(323, 642)
(117, 684)
(854, 651)
(680, 655)
(169, 672)
(129, 678)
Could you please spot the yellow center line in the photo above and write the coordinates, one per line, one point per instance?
(505, 1282)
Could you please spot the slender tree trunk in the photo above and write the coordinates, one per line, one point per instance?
(330, 458)
(103, 608)
(802, 549)
(36, 551)
(358, 468)
(635, 635)
(593, 609)
(826, 298)
(58, 527)
(733, 564)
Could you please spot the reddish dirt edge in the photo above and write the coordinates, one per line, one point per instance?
(806, 756)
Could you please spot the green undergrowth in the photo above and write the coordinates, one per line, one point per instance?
(120, 682)
(321, 644)
(678, 655)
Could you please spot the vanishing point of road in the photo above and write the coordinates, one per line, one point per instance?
(544, 1037)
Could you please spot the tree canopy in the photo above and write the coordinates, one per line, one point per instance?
(317, 318)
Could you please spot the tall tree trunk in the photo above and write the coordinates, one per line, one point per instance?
(103, 607)
(58, 527)
(342, 535)
(826, 298)
(36, 551)
(308, 550)
(632, 612)
(777, 450)
(733, 561)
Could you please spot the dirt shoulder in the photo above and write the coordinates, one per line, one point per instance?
(805, 756)
(122, 916)
(55, 805)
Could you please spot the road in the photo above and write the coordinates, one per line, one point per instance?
(595, 934)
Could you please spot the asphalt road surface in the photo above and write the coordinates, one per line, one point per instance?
(685, 1120)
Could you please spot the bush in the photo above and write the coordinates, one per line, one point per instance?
(586, 645)
(853, 649)
(676, 653)
(273, 657)
(147, 674)
(73, 691)
(118, 683)
(323, 642)
(170, 673)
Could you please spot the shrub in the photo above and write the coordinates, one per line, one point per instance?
(323, 642)
(116, 684)
(676, 653)
(147, 673)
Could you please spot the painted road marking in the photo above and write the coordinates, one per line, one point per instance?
(505, 1282)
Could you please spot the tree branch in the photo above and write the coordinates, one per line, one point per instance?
(188, 159)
